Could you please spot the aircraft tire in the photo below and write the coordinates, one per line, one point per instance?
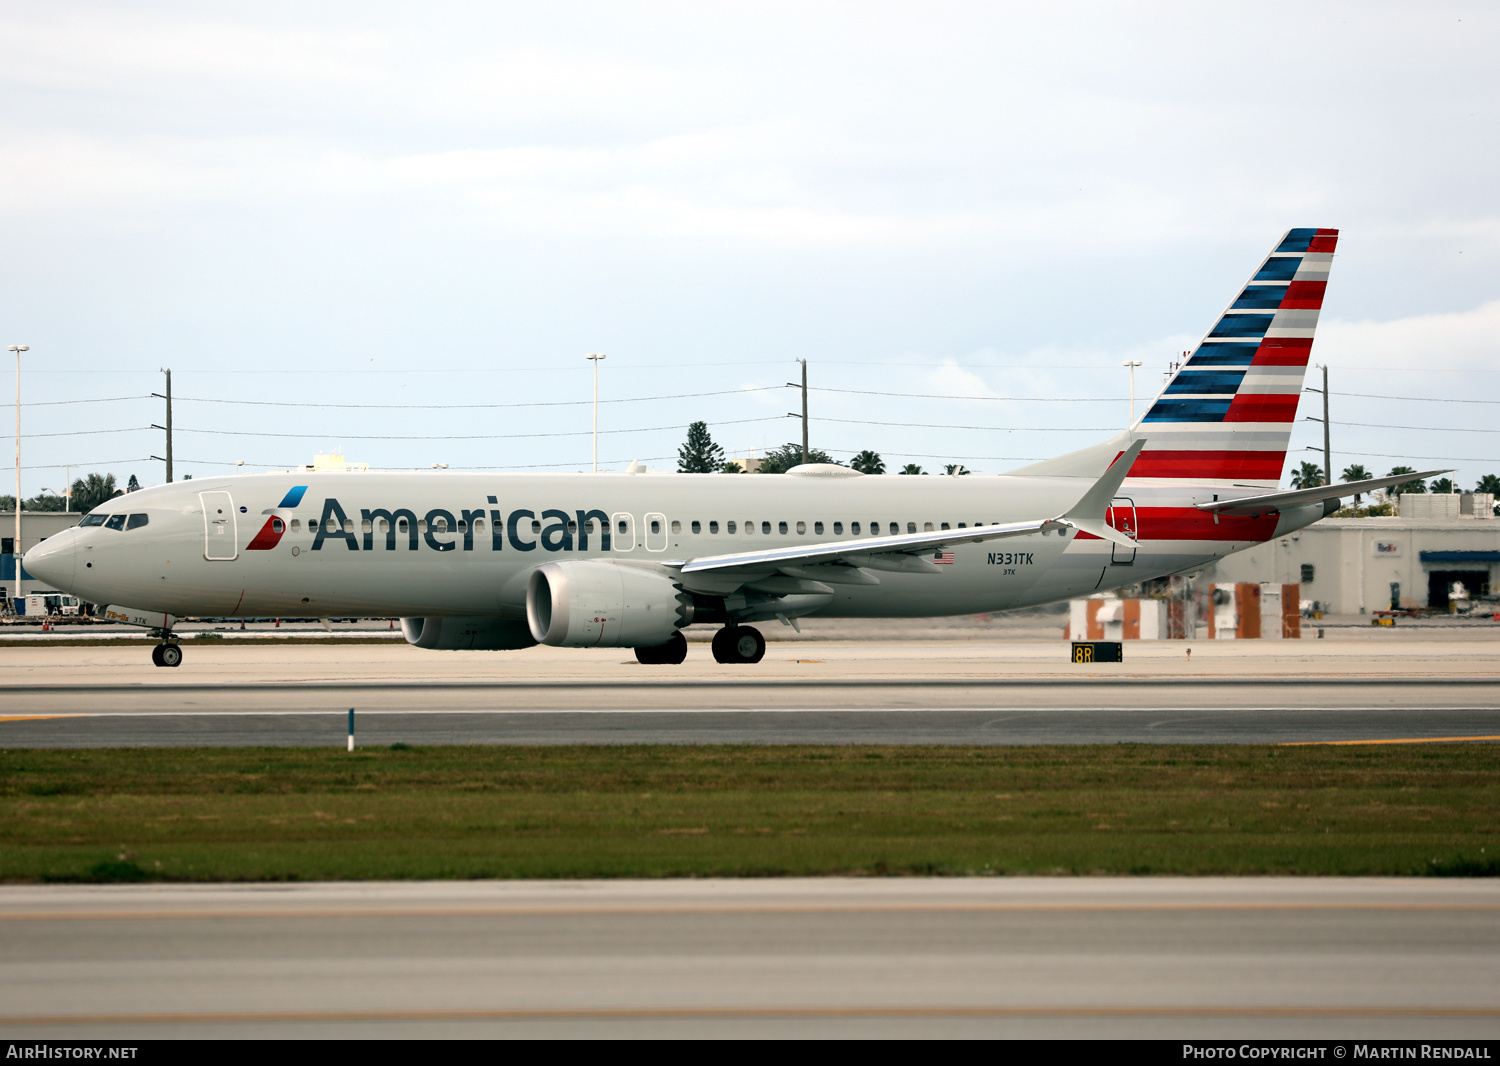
(673, 652)
(739, 644)
(156, 656)
(171, 655)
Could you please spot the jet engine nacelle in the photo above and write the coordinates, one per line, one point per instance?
(604, 605)
(467, 634)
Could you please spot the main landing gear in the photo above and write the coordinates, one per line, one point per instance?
(671, 653)
(739, 644)
(167, 654)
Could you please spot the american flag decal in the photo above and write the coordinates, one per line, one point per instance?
(943, 558)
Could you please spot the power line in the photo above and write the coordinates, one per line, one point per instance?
(470, 406)
(995, 429)
(939, 396)
(1421, 429)
(1432, 458)
(456, 436)
(100, 399)
(1419, 399)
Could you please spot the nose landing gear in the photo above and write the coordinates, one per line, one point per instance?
(739, 644)
(167, 654)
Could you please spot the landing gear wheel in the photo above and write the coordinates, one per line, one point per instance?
(671, 653)
(156, 655)
(166, 655)
(739, 644)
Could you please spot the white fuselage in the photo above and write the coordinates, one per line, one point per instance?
(208, 547)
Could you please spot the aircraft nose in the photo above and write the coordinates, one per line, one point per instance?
(51, 560)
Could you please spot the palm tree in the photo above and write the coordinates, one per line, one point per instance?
(868, 462)
(1406, 487)
(1443, 485)
(955, 468)
(912, 468)
(1489, 483)
(1357, 472)
(1307, 476)
(93, 490)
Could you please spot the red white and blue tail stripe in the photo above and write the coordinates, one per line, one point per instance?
(1227, 412)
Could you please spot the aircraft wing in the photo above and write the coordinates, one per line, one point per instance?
(1275, 501)
(1087, 515)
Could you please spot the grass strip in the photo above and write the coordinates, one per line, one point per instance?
(217, 814)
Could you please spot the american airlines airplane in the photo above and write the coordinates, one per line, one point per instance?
(506, 561)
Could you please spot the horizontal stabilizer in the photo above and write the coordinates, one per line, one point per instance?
(1275, 501)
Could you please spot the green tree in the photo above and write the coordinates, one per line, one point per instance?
(1307, 476)
(1489, 483)
(868, 462)
(1406, 488)
(700, 455)
(1444, 485)
(780, 460)
(7, 503)
(731, 467)
(89, 492)
(45, 501)
(912, 468)
(955, 468)
(1357, 472)
(132, 485)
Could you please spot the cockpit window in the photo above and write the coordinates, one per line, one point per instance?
(137, 521)
(93, 520)
(116, 521)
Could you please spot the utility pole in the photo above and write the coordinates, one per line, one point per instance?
(168, 427)
(18, 349)
(1327, 449)
(1132, 364)
(594, 358)
(793, 414)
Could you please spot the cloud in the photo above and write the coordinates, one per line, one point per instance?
(1460, 340)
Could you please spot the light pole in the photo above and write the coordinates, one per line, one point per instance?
(595, 357)
(18, 349)
(1132, 364)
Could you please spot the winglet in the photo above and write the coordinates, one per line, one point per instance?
(1088, 513)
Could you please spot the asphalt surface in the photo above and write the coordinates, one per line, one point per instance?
(1101, 957)
(850, 692)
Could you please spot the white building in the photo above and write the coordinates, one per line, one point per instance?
(1358, 565)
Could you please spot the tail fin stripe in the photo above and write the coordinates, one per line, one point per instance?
(1213, 382)
(1242, 326)
(1221, 353)
(1279, 268)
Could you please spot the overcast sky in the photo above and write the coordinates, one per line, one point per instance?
(383, 204)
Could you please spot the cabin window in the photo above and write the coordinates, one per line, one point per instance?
(116, 521)
(765, 528)
(728, 527)
(781, 528)
(278, 526)
(536, 527)
(911, 527)
(136, 521)
(400, 525)
(926, 527)
(421, 525)
(463, 527)
(312, 525)
(588, 527)
(677, 526)
(297, 525)
(838, 529)
(896, 528)
(817, 529)
(853, 528)
(801, 527)
(945, 525)
(624, 527)
(572, 526)
(697, 526)
(366, 525)
(478, 525)
(961, 525)
(385, 527)
(713, 527)
(656, 525)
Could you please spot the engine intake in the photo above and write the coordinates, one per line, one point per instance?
(604, 605)
(467, 633)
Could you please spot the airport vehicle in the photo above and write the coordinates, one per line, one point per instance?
(504, 561)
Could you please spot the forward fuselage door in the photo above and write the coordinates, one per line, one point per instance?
(624, 538)
(1121, 516)
(220, 533)
(656, 532)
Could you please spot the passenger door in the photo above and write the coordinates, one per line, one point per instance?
(656, 532)
(624, 532)
(220, 531)
(1121, 516)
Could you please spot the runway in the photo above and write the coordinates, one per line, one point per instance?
(1085, 957)
(932, 692)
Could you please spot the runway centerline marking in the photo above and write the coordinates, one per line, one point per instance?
(1392, 740)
